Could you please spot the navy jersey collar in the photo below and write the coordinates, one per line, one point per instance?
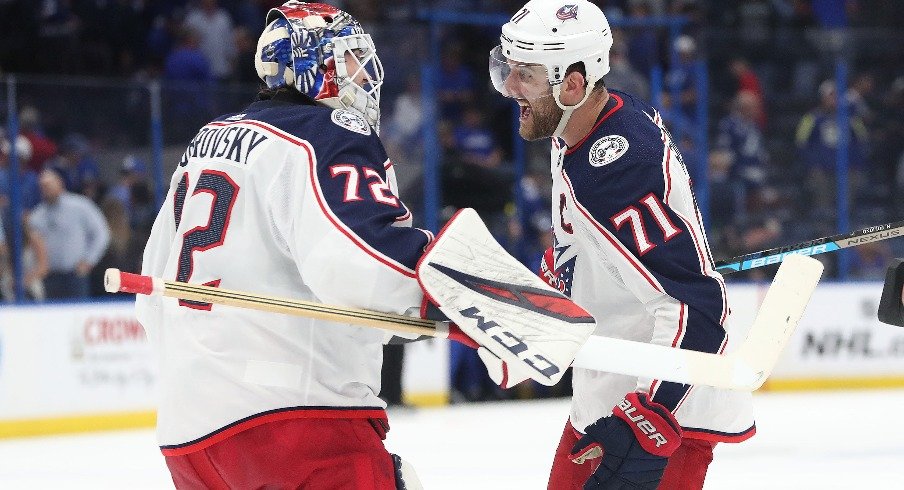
(612, 105)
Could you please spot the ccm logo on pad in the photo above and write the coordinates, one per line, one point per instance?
(512, 343)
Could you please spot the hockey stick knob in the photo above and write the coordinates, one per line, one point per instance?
(111, 280)
(116, 281)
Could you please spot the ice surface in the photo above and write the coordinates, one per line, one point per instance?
(832, 440)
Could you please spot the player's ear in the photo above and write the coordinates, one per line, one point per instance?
(573, 88)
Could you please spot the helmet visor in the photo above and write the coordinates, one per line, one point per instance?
(518, 80)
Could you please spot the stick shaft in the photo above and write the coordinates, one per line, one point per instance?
(746, 370)
(811, 247)
(116, 280)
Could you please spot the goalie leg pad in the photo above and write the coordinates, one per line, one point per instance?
(501, 304)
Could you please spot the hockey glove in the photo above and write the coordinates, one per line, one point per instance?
(635, 443)
(502, 373)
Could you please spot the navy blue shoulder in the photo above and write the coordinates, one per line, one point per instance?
(331, 132)
(622, 156)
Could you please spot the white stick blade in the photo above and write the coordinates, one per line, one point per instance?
(744, 370)
(778, 316)
(644, 360)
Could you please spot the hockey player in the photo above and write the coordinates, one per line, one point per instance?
(629, 247)
(293, 196)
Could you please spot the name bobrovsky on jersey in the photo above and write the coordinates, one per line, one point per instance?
(231, 143)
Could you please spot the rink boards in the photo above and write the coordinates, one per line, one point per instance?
(82, 367)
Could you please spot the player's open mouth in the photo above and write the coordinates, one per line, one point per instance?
(525, 111)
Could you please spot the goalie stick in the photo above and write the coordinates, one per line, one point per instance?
(811, 247)
(744, 369)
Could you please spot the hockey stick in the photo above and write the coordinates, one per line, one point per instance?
(745, 369)
(811, 247)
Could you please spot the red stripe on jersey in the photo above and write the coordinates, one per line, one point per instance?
(668, 174)
(613, 241)
(267, 417)
(320, 201)
(618, 105)
(681, 401)
(680, 333)
(714, 436)
(404, 216)
(702, 254)
(724, 344)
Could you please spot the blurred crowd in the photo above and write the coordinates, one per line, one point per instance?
(770, 103)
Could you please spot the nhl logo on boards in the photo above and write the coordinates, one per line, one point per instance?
(607, 150)
(567, 12)
(351, 121)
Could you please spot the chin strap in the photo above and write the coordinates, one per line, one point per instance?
(568, 110)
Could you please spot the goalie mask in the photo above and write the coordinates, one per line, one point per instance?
(541, 41)
(323, 53)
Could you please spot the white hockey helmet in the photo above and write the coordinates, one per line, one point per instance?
(554, 34)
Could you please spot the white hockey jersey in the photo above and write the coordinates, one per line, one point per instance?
(631, 249)
(285, 199)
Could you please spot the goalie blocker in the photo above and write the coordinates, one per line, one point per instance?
(501, 304)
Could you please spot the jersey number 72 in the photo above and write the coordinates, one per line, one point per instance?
(200, 238)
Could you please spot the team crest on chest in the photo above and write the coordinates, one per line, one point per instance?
(351, 121)
(607, 150)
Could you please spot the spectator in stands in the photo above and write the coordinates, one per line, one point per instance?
(126, 245)
(42, 147)
(861, 96)
(740, 136)
(27, 181)
(748, 81)
(679, 80)
(475, 142)
(187, 62)
(817, 143)
(889, 139)
(57, 49)
(622, 75)
(35, 266)
(214, 27)
(870, 261)
(132, 191)
(643, 47)
(456, 85)
(188, 74)
(158, 41)
(77, 165)
(723, 195)
(245, 45)
(76, 233)
(403, 127)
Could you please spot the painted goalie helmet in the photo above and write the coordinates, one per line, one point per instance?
(321, 51)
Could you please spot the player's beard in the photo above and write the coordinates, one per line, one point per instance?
(542, 121)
